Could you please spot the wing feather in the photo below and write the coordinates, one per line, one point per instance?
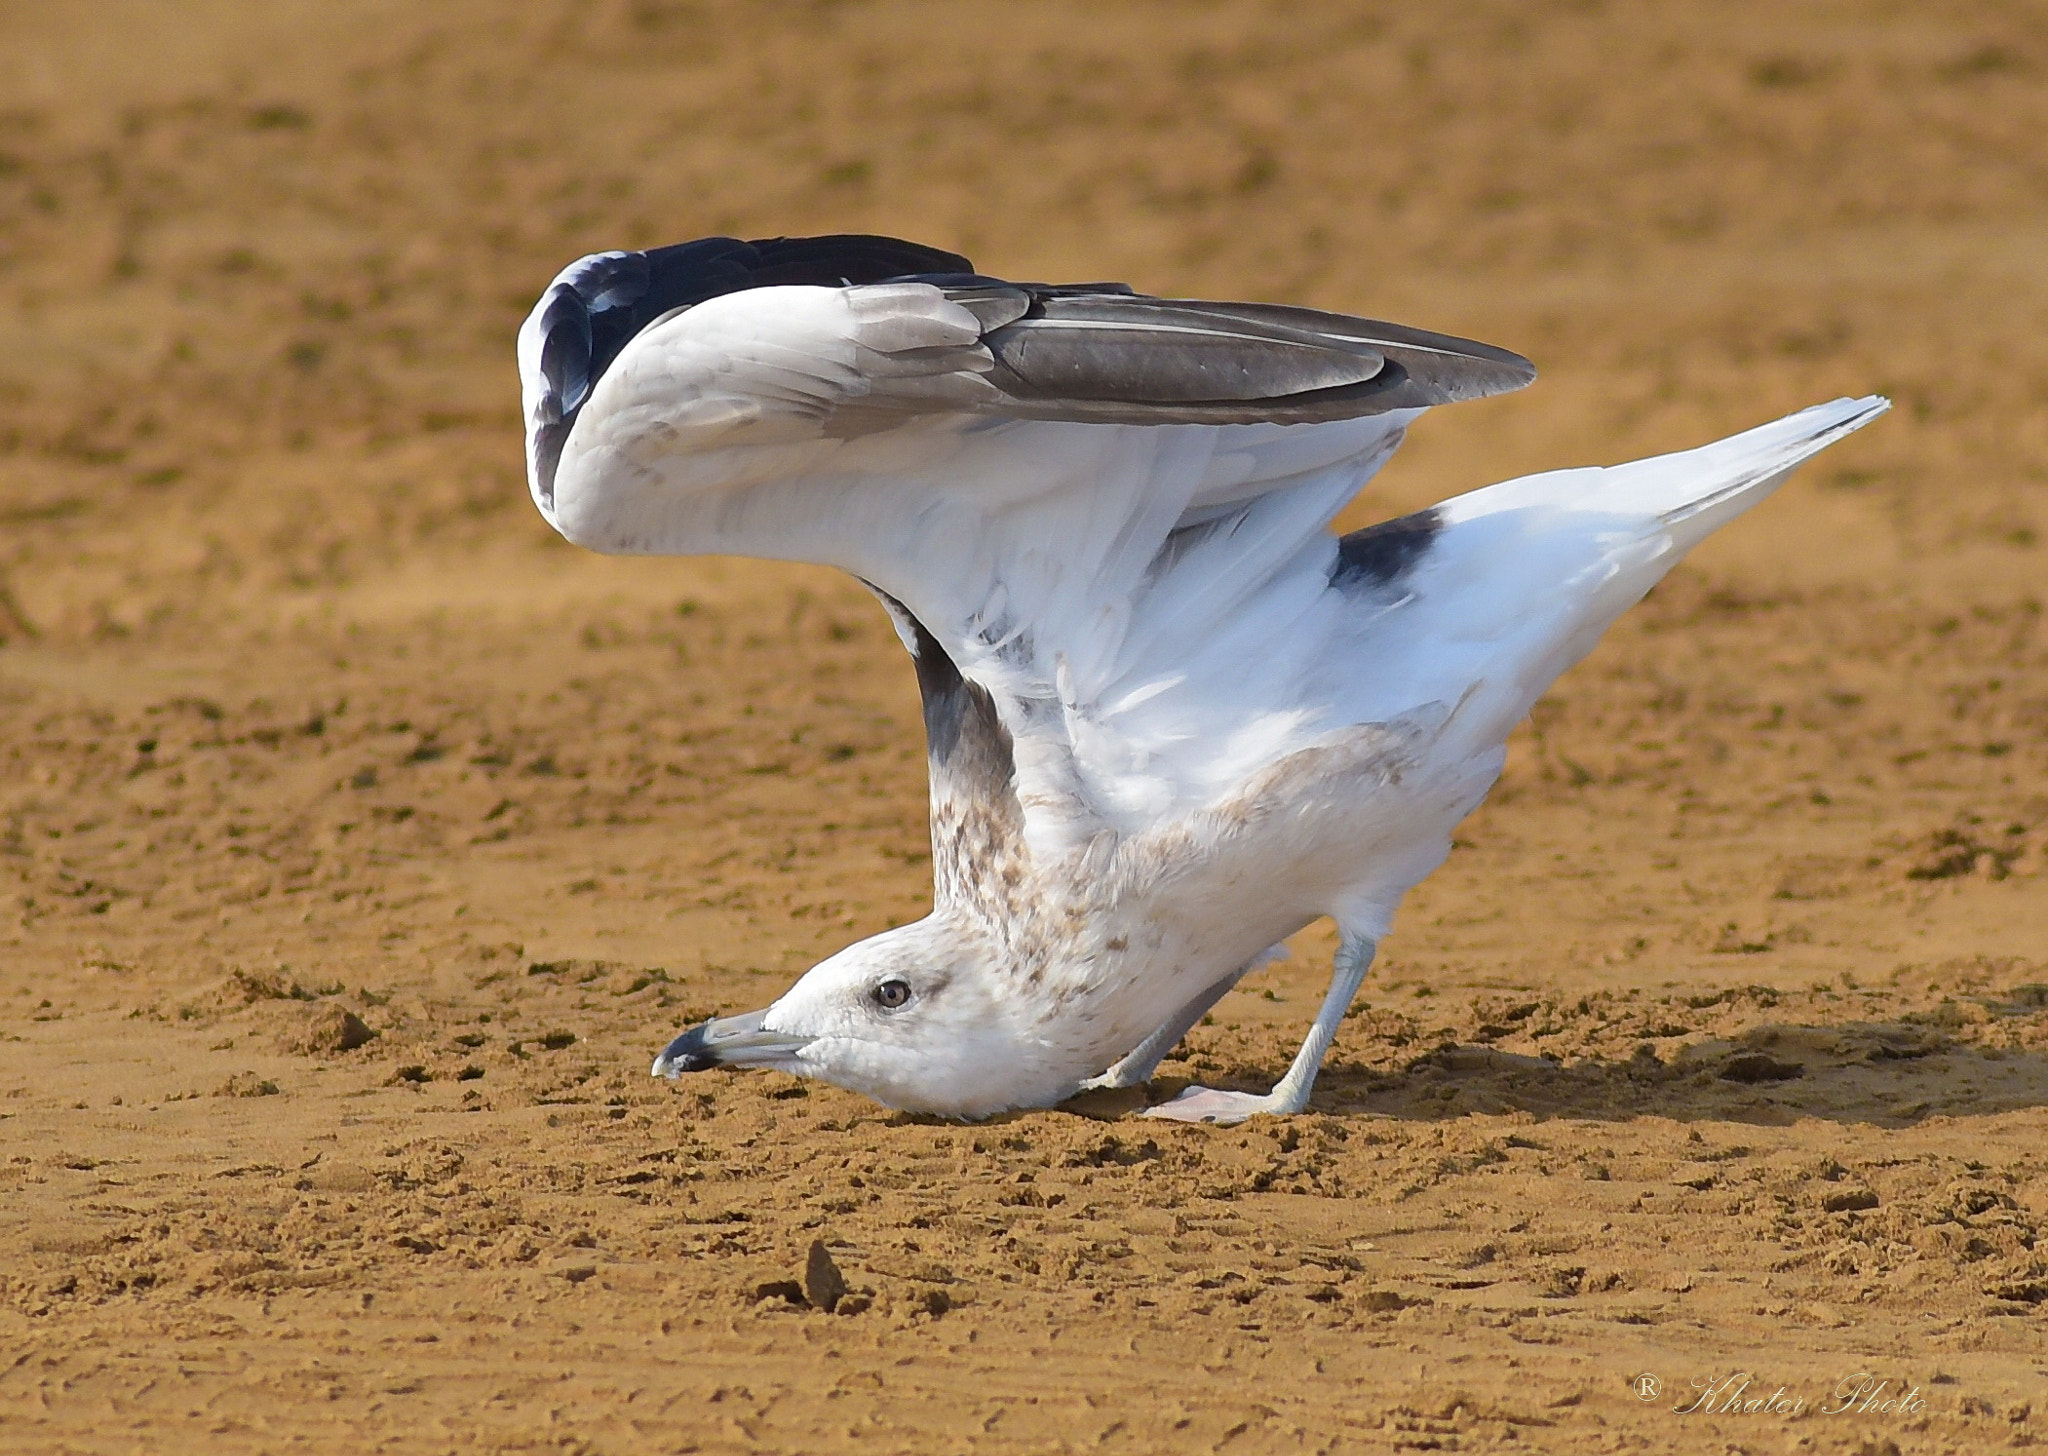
(1107, 511)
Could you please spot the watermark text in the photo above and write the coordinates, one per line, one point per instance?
(1743, 1393)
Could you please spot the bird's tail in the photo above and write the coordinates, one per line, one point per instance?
(1524, 576)
(1689, 494)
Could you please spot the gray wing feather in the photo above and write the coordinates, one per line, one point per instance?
(1083, 352)
(1078, 354)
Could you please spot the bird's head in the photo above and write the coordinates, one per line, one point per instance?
(913, 1017)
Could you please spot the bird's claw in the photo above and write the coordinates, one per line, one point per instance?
(1110, 1081)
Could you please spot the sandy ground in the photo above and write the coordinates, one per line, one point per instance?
(359, 842)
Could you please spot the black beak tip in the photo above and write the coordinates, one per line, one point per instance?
(690, 1052)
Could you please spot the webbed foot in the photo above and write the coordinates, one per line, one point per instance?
(1206, 1104)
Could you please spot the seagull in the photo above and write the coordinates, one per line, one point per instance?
(1172, 719)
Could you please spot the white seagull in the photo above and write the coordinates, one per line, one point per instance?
(1171, 718)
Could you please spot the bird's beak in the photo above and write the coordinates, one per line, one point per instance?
(730, 1041)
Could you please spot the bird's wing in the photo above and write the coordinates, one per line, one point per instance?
(1106, 510)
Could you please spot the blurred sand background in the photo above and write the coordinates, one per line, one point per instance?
(1721, 1044)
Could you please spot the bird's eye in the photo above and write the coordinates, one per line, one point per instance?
(892, 994)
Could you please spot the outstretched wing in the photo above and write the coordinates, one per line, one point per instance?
(1107, 510)
(1087, 352)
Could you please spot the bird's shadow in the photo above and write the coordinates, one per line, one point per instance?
(1887, 1074)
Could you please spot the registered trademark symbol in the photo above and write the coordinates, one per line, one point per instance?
(1646, 1386)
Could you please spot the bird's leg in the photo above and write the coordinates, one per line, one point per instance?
(1137, 1066)
(1290, 1093)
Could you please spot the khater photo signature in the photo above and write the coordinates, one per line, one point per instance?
(1743, 1393)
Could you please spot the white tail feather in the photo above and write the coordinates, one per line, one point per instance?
(1691, 493)
(1527, 574)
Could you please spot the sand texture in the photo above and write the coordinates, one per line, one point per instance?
(360, 841)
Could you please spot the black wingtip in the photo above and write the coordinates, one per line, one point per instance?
(599, 303)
